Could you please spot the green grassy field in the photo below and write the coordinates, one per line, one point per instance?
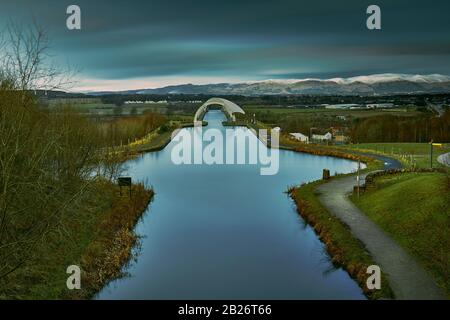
(411, 154)
(83, 107)
(156, 143)
(98, 238)
(250, 109)
(414, 208)
(158, 138)
(95, 107)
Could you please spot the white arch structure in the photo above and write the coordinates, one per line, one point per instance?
(230, 108)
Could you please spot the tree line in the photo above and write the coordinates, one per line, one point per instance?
(389, 128)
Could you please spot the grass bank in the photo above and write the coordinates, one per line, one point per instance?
(332, 151)
(154, 141)
(98, 238)
(345, 250)
(414, 209)
(410, 154)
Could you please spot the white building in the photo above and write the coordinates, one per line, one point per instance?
(299, 136)
(323, 137)
(342, 106)
(380, 105)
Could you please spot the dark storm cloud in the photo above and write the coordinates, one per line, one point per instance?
(244, 39)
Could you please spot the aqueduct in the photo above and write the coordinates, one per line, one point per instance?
(229, 108)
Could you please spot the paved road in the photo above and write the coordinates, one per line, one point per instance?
(444, 159)
(407, 278)
(389, 163)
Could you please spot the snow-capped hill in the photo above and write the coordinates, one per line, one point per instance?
(390, 77)
(378, 84)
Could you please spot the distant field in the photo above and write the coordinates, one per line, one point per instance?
(410, 148)
(251, 108)
(332, 112)
(81, 107)
(146, 105)
(97, 107)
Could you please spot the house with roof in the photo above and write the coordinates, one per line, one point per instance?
(299, 136)
(322, 137)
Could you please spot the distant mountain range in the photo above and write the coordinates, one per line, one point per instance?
(380, 84)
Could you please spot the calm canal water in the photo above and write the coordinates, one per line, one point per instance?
(227, 232)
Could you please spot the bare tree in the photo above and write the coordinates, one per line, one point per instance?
(26, 60)
(45, 158)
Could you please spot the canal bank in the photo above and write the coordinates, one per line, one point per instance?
(226, 232)
(113, 243)
(344, 249)
(355, 241)
(345, 252)
(97, 235)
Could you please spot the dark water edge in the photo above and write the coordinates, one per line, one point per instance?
(226, 232)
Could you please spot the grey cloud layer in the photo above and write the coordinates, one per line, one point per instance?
(248, 39)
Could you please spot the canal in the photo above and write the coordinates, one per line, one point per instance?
(227, 232)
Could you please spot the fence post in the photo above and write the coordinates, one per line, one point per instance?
(326, 174)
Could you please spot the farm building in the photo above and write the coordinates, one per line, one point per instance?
(299, 136)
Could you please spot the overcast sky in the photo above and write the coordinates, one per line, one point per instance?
(145, 44)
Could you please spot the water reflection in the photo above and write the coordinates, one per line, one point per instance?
(226, 232)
